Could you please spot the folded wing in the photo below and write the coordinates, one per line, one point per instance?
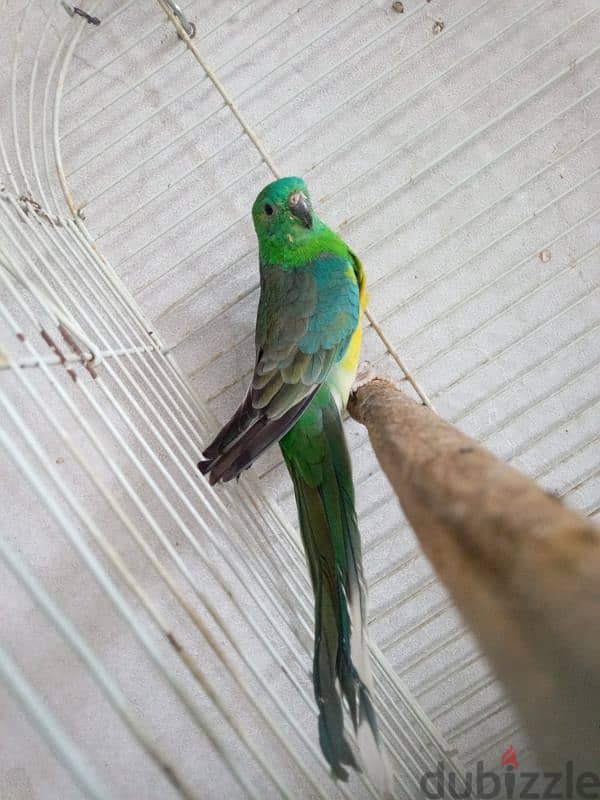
(306, 317)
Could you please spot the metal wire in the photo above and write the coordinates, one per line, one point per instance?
(453, 189)
(159, 493)
(266, 159)
(110, 370)
(111, 398)
(110, 327)
(57, 739)
(87, 655)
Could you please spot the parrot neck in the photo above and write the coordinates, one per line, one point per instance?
(297, 247)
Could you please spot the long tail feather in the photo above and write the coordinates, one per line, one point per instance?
(317, 458)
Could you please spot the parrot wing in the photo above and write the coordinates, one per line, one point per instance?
(306, 318)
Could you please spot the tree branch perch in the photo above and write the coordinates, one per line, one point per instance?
(523, 569)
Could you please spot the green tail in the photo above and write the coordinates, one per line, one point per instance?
(317, 458)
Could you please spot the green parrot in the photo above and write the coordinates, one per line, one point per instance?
(308, 331)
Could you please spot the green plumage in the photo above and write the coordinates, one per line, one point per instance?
(317, 458)
(306, 348)
(296, 349)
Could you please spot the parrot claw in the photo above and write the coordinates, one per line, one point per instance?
(364, 374)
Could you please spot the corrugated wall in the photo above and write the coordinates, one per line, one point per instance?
(455, 144)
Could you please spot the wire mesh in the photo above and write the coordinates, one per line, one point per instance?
(450, 175)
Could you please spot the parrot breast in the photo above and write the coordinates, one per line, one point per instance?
(342, 376)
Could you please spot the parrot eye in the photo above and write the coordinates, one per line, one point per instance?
(269, 210)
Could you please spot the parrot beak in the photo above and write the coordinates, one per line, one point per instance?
(299, 208)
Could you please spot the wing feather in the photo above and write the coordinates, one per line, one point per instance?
(306, 317)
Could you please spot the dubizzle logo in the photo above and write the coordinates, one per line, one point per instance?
(509, 784)
(509, 757)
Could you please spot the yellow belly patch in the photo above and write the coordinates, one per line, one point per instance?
(343, 374)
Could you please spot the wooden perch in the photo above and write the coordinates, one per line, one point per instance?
(523, 569)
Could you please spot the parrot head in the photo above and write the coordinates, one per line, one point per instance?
(283, 210)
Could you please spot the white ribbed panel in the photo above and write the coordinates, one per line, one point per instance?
(451, 161)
